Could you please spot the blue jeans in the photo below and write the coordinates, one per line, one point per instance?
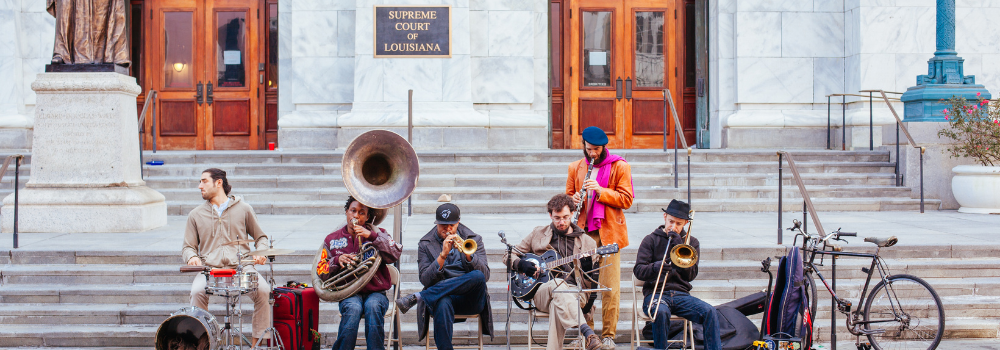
(690, 308)
(463, 295)
(373, 306)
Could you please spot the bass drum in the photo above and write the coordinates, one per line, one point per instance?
(190, 328)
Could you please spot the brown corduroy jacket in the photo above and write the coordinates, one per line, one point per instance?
(206, 232)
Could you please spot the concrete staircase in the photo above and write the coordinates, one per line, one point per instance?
(118, 299)
(284, 183)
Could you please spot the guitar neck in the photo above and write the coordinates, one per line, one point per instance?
(569, 259)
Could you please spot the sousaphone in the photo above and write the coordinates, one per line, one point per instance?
(380, 170)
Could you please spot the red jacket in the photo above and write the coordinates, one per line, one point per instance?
(341, 242)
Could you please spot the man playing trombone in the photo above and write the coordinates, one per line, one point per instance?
(667, 283)
(452, 264)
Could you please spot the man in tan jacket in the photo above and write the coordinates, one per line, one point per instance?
(220, 220)
(564, 309)
(608, 192)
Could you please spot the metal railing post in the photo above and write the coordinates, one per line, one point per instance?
(922, 149)
(828, 121)
(780, 185)
(676, 176)
(154, 121)
(843, 123)
(871, 123)
(898, 157)
(17, 178)
(805, 217)
(409, 138)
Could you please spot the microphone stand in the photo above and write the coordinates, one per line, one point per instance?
(510, 249)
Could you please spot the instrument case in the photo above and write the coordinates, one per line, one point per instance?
(296, 317)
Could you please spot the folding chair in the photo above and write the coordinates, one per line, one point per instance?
(392, 312)
(468, 318)
(687, 341)
(532, 315)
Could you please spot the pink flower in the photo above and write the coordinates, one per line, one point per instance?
(946, 117)
(945, 111)
(978, 93)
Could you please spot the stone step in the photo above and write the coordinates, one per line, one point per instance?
(255, 195)
(707, 271)
(562, 156)
(512, 168)
(142, 335)
(640, 205)
(154, 313)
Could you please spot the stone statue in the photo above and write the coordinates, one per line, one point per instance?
(90, 32)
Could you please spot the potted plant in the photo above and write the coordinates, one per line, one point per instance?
(975, 130)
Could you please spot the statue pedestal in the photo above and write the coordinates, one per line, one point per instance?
(85, 171)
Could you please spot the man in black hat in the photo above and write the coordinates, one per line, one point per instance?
(454, 282)
(675, 281)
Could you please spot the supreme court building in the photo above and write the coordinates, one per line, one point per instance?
(505, 74)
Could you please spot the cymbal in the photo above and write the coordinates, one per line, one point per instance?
(239, 241)
(271, 252)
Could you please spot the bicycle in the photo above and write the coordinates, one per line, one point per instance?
(902, 311)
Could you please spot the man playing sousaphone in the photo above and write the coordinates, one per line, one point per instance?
(340, 252)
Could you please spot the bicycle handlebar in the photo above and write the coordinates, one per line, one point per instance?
(847, 234)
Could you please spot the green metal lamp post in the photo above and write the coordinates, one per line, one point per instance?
(945, 77)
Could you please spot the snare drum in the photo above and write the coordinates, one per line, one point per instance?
(247, 281)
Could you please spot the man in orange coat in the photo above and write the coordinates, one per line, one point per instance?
(608, 193)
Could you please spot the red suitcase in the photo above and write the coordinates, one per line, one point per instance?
(296, 317)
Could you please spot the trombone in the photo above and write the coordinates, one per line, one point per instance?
(683, 256)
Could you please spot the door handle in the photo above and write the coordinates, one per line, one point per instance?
(628, 88)
(200, 93)
(618, 88)
(208, 98)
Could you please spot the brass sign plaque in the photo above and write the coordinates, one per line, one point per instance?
(412, 31)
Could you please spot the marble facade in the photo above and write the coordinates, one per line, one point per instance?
(771, 65)
(775, 61)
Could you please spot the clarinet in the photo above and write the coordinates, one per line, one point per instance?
(586, 194)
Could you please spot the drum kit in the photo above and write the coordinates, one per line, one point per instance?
(192, 328)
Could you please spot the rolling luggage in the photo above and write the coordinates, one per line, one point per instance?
(296, 317)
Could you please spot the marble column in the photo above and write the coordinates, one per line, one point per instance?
(85, 170)
(945, 75)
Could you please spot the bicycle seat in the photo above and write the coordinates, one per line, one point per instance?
(883, 242)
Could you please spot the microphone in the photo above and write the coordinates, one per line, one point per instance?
(503, 236)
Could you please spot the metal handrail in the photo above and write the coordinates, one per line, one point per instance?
(900, 126)
(150, 98)
(17, 178)
(843, 105)
(802, 190)
(678, 136)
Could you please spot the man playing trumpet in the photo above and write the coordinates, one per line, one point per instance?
(667, 285)
(340, 251)
(454, 276)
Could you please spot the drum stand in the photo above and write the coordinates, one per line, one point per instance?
(276, 344)
(233, 308)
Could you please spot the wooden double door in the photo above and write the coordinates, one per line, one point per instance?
(204, 60)
(622, 55)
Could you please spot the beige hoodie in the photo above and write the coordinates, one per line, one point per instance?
(206, 232)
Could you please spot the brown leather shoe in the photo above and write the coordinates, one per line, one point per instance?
(593, 342)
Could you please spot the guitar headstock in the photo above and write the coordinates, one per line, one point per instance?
(608, 249)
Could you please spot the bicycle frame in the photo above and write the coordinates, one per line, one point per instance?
(855, 320)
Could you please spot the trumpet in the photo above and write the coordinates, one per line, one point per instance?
(683, 256)
(467, 247)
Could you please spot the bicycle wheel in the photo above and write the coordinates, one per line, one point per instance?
(811, 294)
(906, 313)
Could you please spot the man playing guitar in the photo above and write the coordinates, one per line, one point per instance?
(564, 309)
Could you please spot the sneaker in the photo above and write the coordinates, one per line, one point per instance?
(593, 342)
(405, 303)
(608, 344)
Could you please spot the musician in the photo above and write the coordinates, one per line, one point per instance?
(221, 219)
(454, 282)
(340, 249)
(564, 309)
(676, 281)
(609, 192)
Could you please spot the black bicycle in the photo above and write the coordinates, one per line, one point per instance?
(901, 312)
